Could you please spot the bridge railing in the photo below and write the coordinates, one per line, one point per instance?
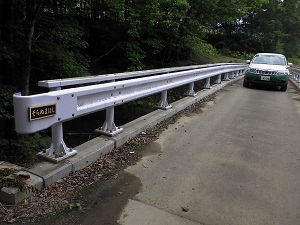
(37, 112)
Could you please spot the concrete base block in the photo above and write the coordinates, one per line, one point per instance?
(13, 195)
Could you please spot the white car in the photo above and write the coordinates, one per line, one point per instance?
(268, 68)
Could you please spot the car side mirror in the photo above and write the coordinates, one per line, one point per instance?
(290, 64)
(248, 61)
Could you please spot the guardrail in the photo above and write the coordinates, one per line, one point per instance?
(295, 72)
(37, 112)
(57, 84)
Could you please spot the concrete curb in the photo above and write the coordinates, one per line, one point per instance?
(45, 173)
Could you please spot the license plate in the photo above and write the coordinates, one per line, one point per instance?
(266, 78)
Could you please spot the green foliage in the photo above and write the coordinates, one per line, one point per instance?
(236, 54)
(135, 55)
(145, 105)
(62, 47)
(173, 13)
(291, 28)
(6, 52)
(22, 149)
(115, 6)
(295, 61)
(6, 101)
(155, 45)
(154, 27)
(200, 47)
(27, 145)
(76, 205)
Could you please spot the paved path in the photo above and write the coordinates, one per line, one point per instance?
(236, 163)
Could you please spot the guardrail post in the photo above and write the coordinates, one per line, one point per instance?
(163, 103)
(241, 72)
(293, 75)
(58, 149)
(232, 75)
(207, 84)
(218, 81)
(191, 91)
(109, 128)
(226, 77)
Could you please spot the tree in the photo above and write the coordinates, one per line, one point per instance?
(291, 28)
(32, 11)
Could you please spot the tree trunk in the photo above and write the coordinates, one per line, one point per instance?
(26, 57)
(32, 11)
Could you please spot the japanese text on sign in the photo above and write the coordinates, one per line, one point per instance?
(40, 112)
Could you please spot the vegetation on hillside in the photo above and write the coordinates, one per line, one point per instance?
(42, 39)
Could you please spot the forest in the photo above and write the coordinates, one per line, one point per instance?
(51, 39)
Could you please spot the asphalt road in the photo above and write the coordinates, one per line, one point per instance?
(235, 163)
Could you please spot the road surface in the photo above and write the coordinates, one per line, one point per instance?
(236, 163)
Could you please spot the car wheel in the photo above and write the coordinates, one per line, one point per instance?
(283, 87)
(245, 84)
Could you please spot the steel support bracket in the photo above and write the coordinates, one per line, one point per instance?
(163, 103)
(109, 128)
(226, 77)
(218, 81)
(68, 152)
(207, 83)
(58, 150)
(191, 91)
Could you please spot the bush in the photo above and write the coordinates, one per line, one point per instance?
(236, 54)
(22, 149)
(295, 61)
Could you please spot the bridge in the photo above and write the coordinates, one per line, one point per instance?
(229, 174)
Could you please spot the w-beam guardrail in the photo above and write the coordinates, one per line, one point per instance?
(38, 112)
(57, 84)
(295, 73)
